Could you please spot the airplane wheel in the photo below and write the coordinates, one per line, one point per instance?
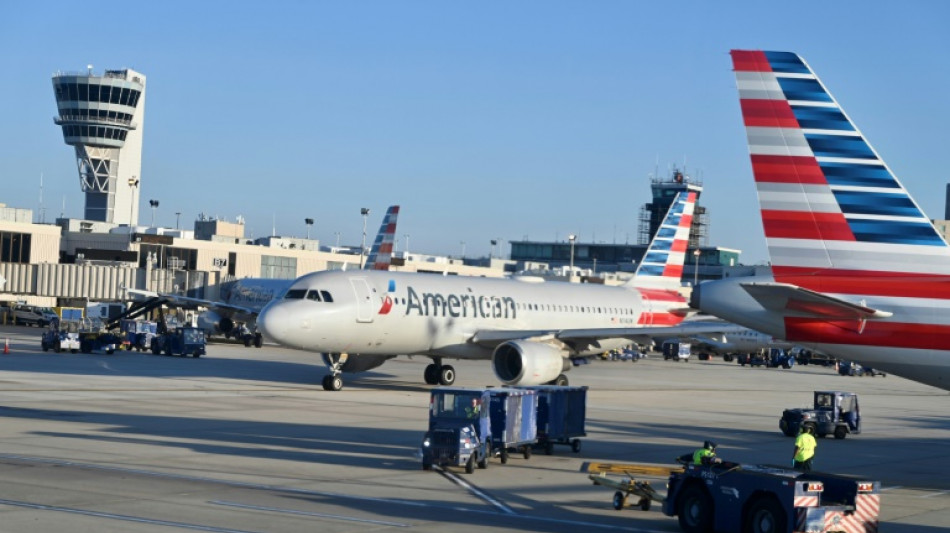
(258, 340)
(336, 383)
(447, 377)
(561, 380)
(326, 382)
(431, 374)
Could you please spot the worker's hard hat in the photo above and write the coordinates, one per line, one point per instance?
(709, 445)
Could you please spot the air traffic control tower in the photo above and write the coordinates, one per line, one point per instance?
(102, 118)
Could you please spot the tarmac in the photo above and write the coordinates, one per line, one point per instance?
(246, 440)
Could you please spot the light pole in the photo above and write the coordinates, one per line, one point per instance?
(177, 218)
(337, 233)
(463, 250)
(407, 246)
(365, 212)
(154, 204)
(696, 267)
(133, 184)
(572, 238)
(309, 223)
(492, 254)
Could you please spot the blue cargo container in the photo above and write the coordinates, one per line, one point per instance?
(513, 415)
(562, 412)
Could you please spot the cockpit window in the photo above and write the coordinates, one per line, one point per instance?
(326, 296)
(313, 295)
(295, 294)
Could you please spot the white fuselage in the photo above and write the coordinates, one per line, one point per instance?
(386, 313)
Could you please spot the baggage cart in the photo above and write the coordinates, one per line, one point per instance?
(513, 414)
(562, 412)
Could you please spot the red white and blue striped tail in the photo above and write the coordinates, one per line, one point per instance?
(381, 254)
(830, 205)
(662, 264)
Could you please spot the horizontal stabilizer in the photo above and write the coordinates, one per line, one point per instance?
(792, 300)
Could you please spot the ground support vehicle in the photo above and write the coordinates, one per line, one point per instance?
(459, 429)
(180, 341)
(677, 351)
(561, 415)
(850, 368)
(98, 341)
(834, 413)
(514, 425)
(62, 335)
(138, 333)
(625, 488)
(731, 497)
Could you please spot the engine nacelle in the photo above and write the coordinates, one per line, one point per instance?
(360, 363)
(528, 363)
(213, 323)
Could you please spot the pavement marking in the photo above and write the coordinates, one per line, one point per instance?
(126, 518)
(309, 513)
(941, 493)
(471, 488)
(294, 490)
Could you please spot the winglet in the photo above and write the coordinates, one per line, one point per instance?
(380, 255)
(662, 264)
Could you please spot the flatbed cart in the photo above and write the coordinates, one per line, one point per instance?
(630, 486)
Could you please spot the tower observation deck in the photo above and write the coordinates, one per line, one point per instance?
(102, 119)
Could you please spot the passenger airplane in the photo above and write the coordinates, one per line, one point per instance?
(858, 270)
(247, 297)
(528, 328)
(718, 336)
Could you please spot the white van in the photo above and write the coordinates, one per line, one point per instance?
(30, 315)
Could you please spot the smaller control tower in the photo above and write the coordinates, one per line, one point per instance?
(102, 118)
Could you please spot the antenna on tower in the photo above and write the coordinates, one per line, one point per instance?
(42, 211)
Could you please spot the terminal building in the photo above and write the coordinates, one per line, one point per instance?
(702, 261)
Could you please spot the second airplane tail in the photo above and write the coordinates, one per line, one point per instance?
(381, 254)
(662, 264)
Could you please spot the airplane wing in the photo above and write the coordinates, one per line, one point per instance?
(185, 301)
(792, 300)
(589, 336)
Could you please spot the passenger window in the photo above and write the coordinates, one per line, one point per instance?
(295, 294)
(313, 295)
(326, 296)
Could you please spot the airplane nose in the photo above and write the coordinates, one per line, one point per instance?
(271, 324)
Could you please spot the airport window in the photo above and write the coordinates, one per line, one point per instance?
(326, 296)
(83, 92)
(114, 97)
(14, 247)
(278, 267)
(104, 93)
(134, 98)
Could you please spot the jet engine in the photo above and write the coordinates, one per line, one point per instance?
(360, 363)
(528, 363)
(215, 323)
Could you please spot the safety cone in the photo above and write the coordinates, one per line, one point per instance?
(6, 346)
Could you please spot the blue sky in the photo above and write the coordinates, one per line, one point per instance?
(484, 120)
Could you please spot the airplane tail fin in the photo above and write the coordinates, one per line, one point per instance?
(381, 254)
(662, 264)
(830, 205)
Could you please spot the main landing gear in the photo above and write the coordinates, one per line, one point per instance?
(439, 374)
(333, 381)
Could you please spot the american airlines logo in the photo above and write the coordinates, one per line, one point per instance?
(456, 305)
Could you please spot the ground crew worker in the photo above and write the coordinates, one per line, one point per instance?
(805, 445)
(471, 411)
(706, 455)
